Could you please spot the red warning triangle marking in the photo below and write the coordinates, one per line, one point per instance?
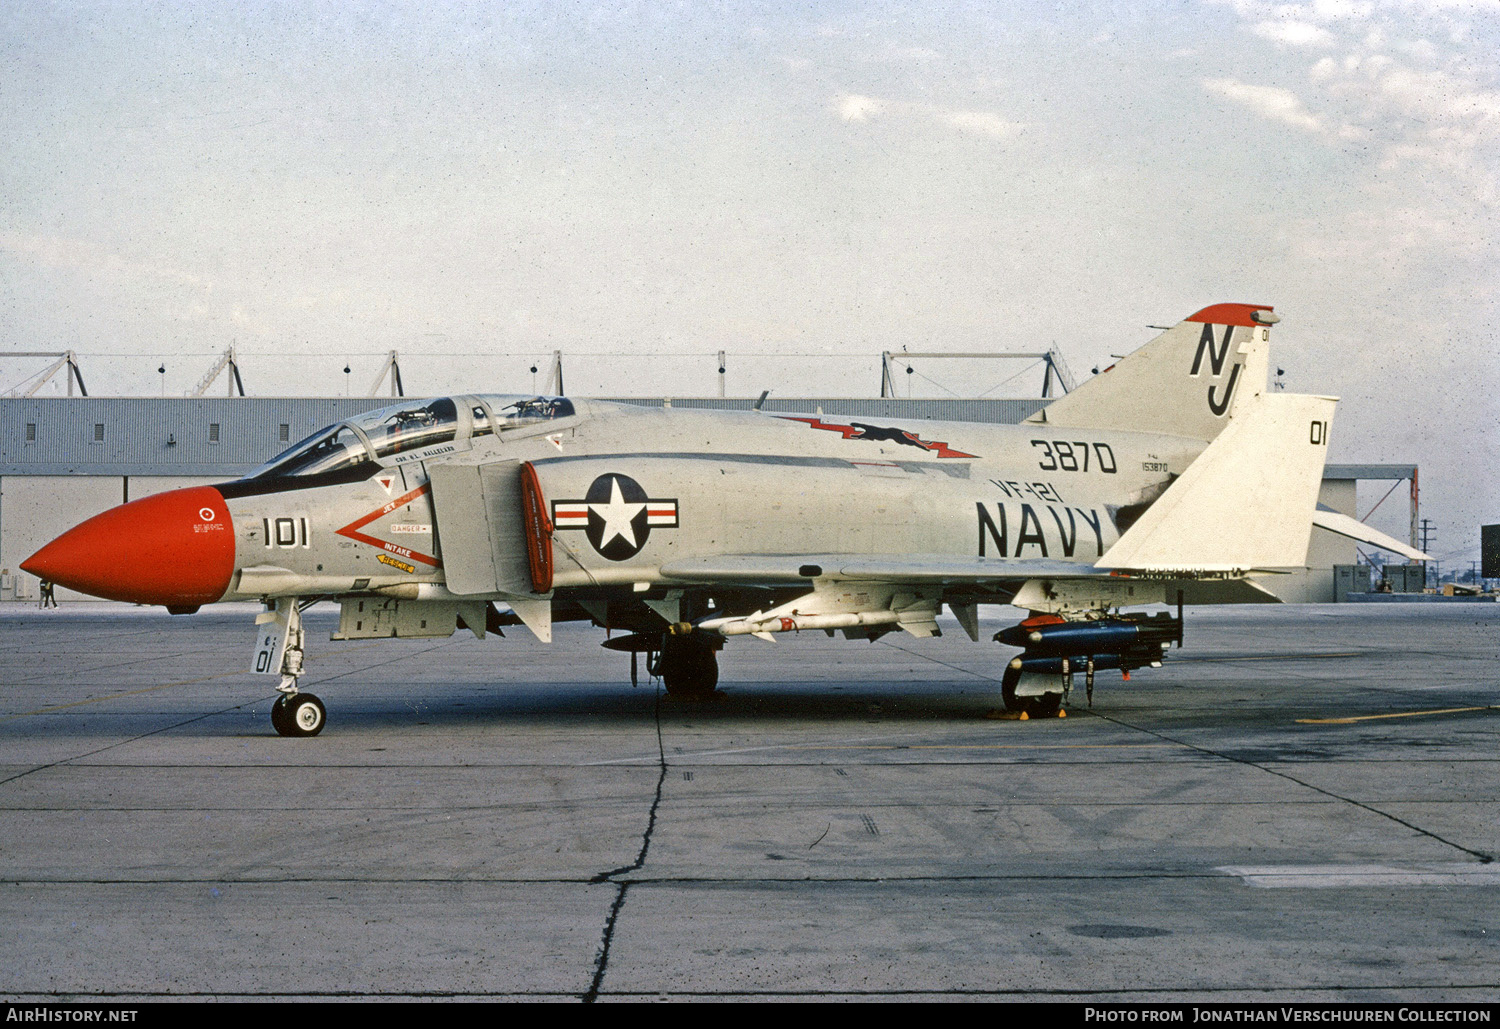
(352, 530)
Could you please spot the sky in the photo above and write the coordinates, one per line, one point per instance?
(803, 186)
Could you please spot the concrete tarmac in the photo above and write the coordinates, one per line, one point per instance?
(1302, 805)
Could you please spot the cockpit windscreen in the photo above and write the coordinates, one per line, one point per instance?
(329, 450)
(404, 428)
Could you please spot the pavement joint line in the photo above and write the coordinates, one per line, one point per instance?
(905, 746)
(535, 807)
(1203, 659)
(654, 880)
(1347, 875)
(929, 658)
(148, 689)
(400, 766)
(725, 752)
(1483, 857)
(177, 725)
(115, 696)
(1268, 719)
(34, 680)
(121, 743)
(999, 746)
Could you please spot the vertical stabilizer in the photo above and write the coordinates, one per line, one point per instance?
(1186, 382)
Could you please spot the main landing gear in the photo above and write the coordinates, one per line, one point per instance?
(1037, 681)
(688, 666)
(1045, 705)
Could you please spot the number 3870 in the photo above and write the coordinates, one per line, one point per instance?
(1061, 456)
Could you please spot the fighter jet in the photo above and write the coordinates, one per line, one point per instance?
(1174, 477)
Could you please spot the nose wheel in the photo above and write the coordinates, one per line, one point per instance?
(298, 714)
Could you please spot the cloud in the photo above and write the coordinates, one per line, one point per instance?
(1324, 70)
(1270, 102)
(980, 123)
(1294, 33)
(1436, 96)
(856, 108)
(1341, 10)
(1433, 117)
(901, 55)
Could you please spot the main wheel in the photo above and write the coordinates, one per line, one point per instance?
(1008, 683)
(299, 714)
(689, 667)
(1045, 706)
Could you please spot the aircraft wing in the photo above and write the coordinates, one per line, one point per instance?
(789, 569)
(959, 574)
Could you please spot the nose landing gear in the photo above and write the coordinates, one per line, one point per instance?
(278, 651)
(298, 714)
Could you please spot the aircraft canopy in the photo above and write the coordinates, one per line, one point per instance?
(382, 435)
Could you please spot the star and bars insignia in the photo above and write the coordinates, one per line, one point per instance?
(616, 514)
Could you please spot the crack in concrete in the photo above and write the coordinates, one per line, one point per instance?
(601, 957)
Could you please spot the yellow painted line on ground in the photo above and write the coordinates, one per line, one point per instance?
(1027, 746)
(981, 746)
(117, 696)
(1397, 714)
(1278, 657)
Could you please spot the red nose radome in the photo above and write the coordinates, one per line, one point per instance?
(173, 548)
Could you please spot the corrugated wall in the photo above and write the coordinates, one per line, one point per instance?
(1002, 412)
(153, 436)
(171, 436)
